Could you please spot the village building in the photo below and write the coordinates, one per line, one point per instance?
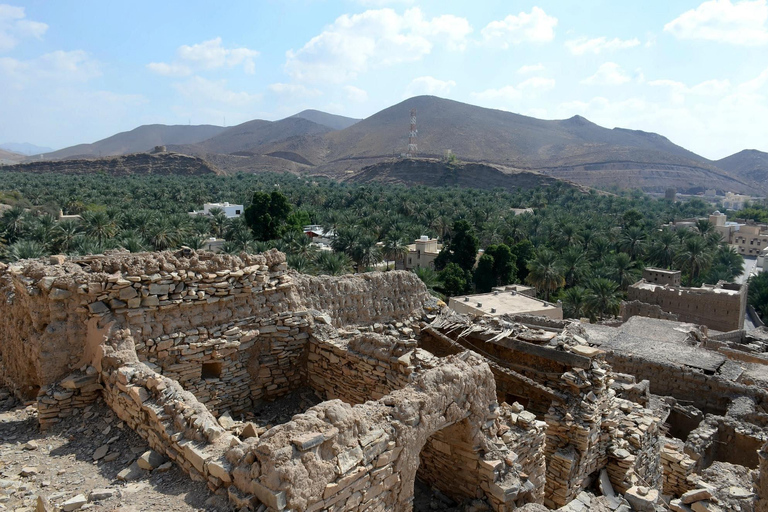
(319, 235)
(751, 239)
(506, 300)
(422, 253)
(230, 210)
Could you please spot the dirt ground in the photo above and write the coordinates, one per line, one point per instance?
(59, 465)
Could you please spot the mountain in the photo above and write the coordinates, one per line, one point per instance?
(143, 138)
(575, 149)
(749, 165)
(8, 157)
(332, 121)
(247, 138)
(123, 165)
(24, 148)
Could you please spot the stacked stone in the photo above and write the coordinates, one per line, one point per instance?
(364, 299)
(634, 452)
(184, 356)
(525, 436)
(362, 367)
(172, 421)
(576, 446)
(678, 466)
(73, 392)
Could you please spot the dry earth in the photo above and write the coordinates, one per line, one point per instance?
(59, 465)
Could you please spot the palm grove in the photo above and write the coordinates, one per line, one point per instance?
(582, 248)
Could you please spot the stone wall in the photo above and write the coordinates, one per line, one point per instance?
(365, 299)
(712, 306)
(636, 308)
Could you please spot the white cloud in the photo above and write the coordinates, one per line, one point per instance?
(536, 26)
(382, 3)
(597, 45)
(354, 43)
(530, 68)
(496, 98)
(294, 90)
(679, 92)
(202, 91)
(206, 56)
(14, 26)
(58, 66)
(608, 73)
(429, 85)
(740, 23)
(355, 94)
(537, 84)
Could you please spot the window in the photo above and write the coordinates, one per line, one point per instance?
(211, 370)
(237, 212)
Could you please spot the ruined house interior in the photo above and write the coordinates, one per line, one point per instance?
(389, 393)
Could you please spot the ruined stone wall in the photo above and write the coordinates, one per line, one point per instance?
(365, 299)
(678, 466)
(636, 308)
(353, 457)
(718, 311)
(710, 393)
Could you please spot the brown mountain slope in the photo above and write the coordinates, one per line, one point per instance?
(249, 138)
(750, 166)
(9, 157)
(433, 172)
(143, 138)
(123, 165)
(332, 121)
(595, 156)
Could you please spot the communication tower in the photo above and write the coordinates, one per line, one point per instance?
(412, 148)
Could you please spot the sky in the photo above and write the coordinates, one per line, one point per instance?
(75, 71)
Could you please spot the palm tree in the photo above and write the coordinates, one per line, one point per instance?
(694, 257)
(633, 241)
(300, 263)
(625, 271)
(333, 263)
(704, 227)
(545, 273)
(14, 222)
(729, 262)
(664, 248)
(26, 249)
(218, 221)
(574, 302)
(573, 261)
(99, 225)
(430, 278)
(65, 233)
(395, 249)
(602, 298)
(366, 253)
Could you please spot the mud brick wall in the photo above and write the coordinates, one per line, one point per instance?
(373, 297)
(718, 311)
(636, 308)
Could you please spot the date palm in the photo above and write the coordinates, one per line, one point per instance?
(545, 273)
(694, 257)
(602, 298)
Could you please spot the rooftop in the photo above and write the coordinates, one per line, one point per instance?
(501, 303)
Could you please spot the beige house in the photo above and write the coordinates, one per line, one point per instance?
(662, 276)
(505, 300)
(751, 239)
(422, 253)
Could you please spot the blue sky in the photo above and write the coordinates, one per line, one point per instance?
(76, 71)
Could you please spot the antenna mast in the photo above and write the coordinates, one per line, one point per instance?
(412, 148)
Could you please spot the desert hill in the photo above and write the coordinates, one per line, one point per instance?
(140, 139)
(25, 148)
(9, 157)
(433, 172)
(123, 165)
(749, 165)
(332, 121)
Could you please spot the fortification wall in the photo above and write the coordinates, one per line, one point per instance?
(715, 309)
(365, 299)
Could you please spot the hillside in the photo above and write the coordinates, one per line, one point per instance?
(248, 138)
(134, 164)
(332, 121)
(140, 139)
(750, 166)
(574, 148)
(9, 157)
(24, 148)
(437, 173)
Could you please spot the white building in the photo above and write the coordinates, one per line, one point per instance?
(230, 210)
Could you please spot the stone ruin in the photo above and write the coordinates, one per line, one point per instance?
(187, 348)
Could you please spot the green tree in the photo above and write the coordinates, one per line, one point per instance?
(694, 257)
(574, 302)
(504, 264)
(267, 215)
(430, 278)
(758, 294)
(603, 298)
(456, 280)
(485, 278)
(545, 273)
(462, 248)
(524, 252)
